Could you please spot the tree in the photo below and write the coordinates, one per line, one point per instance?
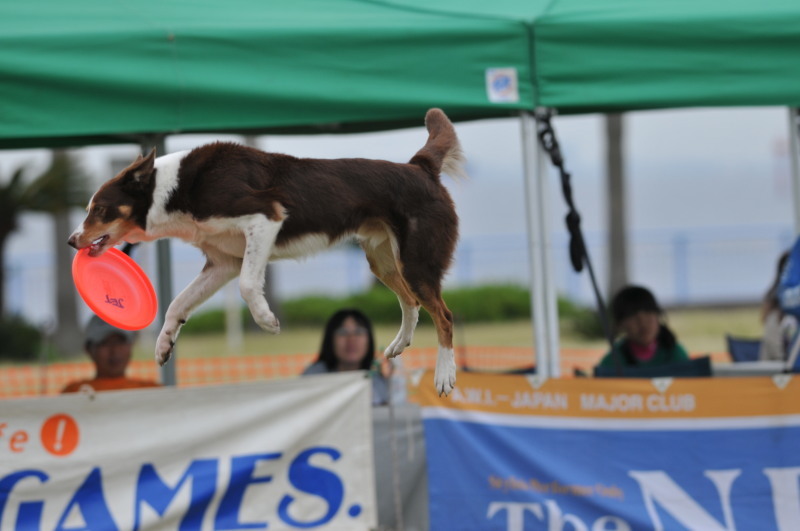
(11, 205)
(61, 187)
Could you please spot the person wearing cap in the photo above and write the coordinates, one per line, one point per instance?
(110, 349)
(646, 341)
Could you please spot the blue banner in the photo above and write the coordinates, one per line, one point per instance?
(495, 470)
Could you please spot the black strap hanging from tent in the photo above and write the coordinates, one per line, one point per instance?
(578, 253)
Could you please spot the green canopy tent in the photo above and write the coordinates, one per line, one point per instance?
(589, 56)
(92, 71)
(89, 71)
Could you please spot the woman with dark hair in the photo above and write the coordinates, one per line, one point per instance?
(646, 341)
(348, 345)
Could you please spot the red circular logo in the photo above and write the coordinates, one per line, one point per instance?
(60, 435)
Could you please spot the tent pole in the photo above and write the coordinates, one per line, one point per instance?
(794, 154)
(550, 294)
(536, 245)
(164, 267)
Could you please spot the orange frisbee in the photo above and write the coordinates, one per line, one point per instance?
(115, 288)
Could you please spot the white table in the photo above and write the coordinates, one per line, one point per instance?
(748, 368)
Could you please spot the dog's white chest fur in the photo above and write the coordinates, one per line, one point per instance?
(230, 243)
(228, 237)
(304, 246)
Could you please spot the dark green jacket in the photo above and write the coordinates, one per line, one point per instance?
(662, 356)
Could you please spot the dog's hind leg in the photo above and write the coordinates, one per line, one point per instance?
(216, 273)
(423, 262)
(430, 296)
(383, 264)
(260, 233)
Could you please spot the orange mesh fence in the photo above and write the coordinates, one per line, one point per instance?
(33, 380)
(19, 381)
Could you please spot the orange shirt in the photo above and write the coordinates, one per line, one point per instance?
(109, 384)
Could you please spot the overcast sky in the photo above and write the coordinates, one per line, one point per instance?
(702, 170)
(686, 168)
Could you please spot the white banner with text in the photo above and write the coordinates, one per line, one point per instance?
(293, 454)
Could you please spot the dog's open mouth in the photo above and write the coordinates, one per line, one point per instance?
(97, 245)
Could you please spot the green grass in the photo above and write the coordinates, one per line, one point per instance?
(702, 330)
(699, 330)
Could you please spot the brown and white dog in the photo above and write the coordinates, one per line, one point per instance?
(243, 207)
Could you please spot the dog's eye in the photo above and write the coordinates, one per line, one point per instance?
(98, 210)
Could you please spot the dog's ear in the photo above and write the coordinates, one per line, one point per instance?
(141, 171)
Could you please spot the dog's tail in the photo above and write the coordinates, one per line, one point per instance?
(442, 152)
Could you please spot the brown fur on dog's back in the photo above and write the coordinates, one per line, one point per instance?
(332, 197)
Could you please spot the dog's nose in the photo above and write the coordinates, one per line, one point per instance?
(73, 241)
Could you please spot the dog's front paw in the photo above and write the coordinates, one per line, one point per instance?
(396, 347)
(444, 379)
(164, 346)
(268, 322)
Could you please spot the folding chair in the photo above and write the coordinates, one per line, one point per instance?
(743, 349)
